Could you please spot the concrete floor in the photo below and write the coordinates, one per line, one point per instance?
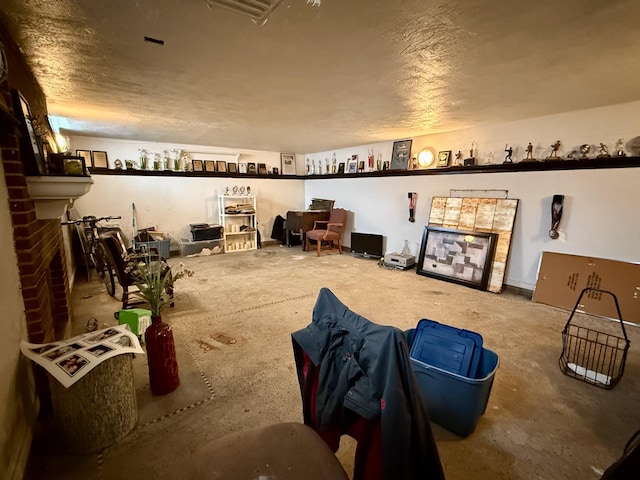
(232, 324)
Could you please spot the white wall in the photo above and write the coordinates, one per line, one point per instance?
(600, 205)
(600, 214)
(172, 203)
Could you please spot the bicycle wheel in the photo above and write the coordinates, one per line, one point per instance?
(105, 270)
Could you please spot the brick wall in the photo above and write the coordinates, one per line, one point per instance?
(39, 243)
(40, 250)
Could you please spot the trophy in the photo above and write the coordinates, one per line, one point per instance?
(604, 151)
(554, 151)
(509, 153)
(584, 150)
(529, 157)
(620, 148)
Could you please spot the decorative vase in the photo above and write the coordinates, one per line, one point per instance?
(161, 357)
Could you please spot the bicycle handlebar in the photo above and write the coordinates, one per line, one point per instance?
(90, 220)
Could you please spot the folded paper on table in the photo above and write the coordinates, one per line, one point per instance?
(70, 360)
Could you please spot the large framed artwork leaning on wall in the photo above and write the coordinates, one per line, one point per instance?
(457, 256)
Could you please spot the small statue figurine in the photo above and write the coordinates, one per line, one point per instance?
(554, 151)
(584, 150)
(509, 151)
(620, 148)
(529, 157)
(604, 151)
(458, 157)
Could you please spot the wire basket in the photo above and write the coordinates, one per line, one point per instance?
(593, 356)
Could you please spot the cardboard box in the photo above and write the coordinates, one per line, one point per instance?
(138, 319)
(562, 277)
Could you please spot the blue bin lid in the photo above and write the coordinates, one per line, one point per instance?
(448, 348)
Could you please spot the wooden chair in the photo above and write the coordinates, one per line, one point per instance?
(328, 231)
(116, 252)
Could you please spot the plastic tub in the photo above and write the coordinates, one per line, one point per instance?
(456, 402)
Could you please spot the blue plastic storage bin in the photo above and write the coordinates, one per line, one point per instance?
(449, 348)
(456, 402)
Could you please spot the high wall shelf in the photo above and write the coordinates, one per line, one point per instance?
(586, 164)
(238, 219)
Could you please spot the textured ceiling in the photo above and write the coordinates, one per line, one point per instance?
(346, 73)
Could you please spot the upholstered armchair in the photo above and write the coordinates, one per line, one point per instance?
(328, 231)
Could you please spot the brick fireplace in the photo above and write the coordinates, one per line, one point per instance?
(41, 255)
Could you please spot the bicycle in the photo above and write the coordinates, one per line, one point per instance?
(93, 250)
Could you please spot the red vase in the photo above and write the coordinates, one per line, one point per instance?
(161, 357)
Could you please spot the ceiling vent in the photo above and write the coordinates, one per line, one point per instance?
(257, 10)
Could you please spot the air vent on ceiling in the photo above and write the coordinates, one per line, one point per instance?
(257, 10)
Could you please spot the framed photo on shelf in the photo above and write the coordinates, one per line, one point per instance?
(262, 169)
(444, 158)
(242, 167)
(197, 165)
(31, 151)
(100, 159)
(232, 167)
(209, 166)
(86, 154)
(341, 167)
(221, 166)
(251, 168)
(352, 164)
(288, 163)
(400, 155)
(457, 256)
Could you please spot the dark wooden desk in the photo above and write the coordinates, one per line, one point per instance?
(302, 221)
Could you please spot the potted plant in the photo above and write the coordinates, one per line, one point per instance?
(155, 281)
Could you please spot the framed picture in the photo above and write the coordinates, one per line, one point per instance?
(361, 166)
(288, 163)
(262, 169)
(341, 167)
(197, 165)
(400, 155)
(444, 158)
(242, 167)
(232, 167)
(100, 159)
(251, 168)
(209, 166)
(86, 154)
(352, 164)
(457, 256)
(221, 166)
(31, 145)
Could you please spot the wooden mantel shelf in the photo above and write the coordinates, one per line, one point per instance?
(538, 166)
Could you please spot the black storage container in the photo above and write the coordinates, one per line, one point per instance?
(204, 231)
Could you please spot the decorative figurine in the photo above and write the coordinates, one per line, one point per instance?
(584, 150)
(554, 151)
(308, 167)
(604, 151)
(556, 215)
(458, 158)
(335, 163)
(620, 148)
(379, 164)
(471, 161)
(370, 159)
(529, 157)
(509, 151)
